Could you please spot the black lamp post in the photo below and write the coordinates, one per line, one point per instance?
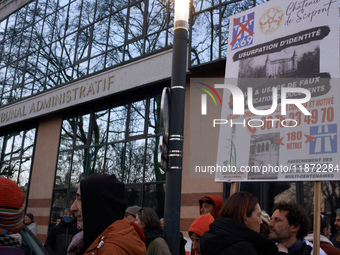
(176, 127)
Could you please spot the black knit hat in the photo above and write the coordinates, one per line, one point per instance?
(103, 202)
(30, 215)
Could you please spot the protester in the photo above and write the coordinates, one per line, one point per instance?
(289, 225)
(336, 239)
(11, 221)
(148, 220)
(100, 207)
(61, 235)
(30, 223)
(237, 230)
(197, 229)
(325, 234)
(182, 241)
(162, 222)
(264, 230)
(212, 205)
(131, 211)
(58, 220)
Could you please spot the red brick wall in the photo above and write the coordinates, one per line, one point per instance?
(40, 220)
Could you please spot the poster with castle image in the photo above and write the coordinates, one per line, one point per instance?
(281, 119)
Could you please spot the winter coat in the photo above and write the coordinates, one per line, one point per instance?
(60, 237)
(10, 244)
(227, 236)
(11, 251)
(325, 244)
(336, 240)
(104, 227)
(158, 247)
(33, 227)
(120, 238)
(306, 248)
(155, 243)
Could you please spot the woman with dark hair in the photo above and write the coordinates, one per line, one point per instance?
(237, 230)
(148, 220)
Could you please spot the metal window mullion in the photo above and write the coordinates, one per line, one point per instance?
(126, 139)
(220, 31)
(40, 45)
(29, 46)
(21, 153)
(146, 121)
(50, 46)
(10, 61)
(147, 114)
(89, 140)
(145, 25)
(91, 27)
(61, 68)
(167, 23)
(107, 136)
(126, 35)
(77, 40)
(108, 35)
(22, 32)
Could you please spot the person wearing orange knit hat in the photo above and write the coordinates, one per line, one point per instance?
(197, 229)
(12, 201)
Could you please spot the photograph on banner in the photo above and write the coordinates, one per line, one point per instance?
(280, 117)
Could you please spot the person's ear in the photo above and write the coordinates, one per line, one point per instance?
(246, 221)
(294, 228)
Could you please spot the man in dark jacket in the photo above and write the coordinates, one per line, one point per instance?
(61, 235)
(336, 238)
(289, 226)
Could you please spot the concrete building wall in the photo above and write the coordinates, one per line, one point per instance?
(9, 6)
(43, 171)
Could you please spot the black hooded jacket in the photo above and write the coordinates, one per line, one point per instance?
(60, 237)
(227, 236)
(103, 202)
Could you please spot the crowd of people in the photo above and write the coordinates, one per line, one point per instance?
(99, 222)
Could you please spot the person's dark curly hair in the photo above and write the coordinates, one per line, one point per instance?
(297, 215)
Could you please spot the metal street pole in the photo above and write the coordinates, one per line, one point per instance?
(176, 127)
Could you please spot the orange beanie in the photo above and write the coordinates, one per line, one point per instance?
(201, 224)
(12, 201)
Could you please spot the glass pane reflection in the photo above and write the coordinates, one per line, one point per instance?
(114, 160)
(137, 118)
(83, 123)
(63, 169)
(117, 126)
(134, 161)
